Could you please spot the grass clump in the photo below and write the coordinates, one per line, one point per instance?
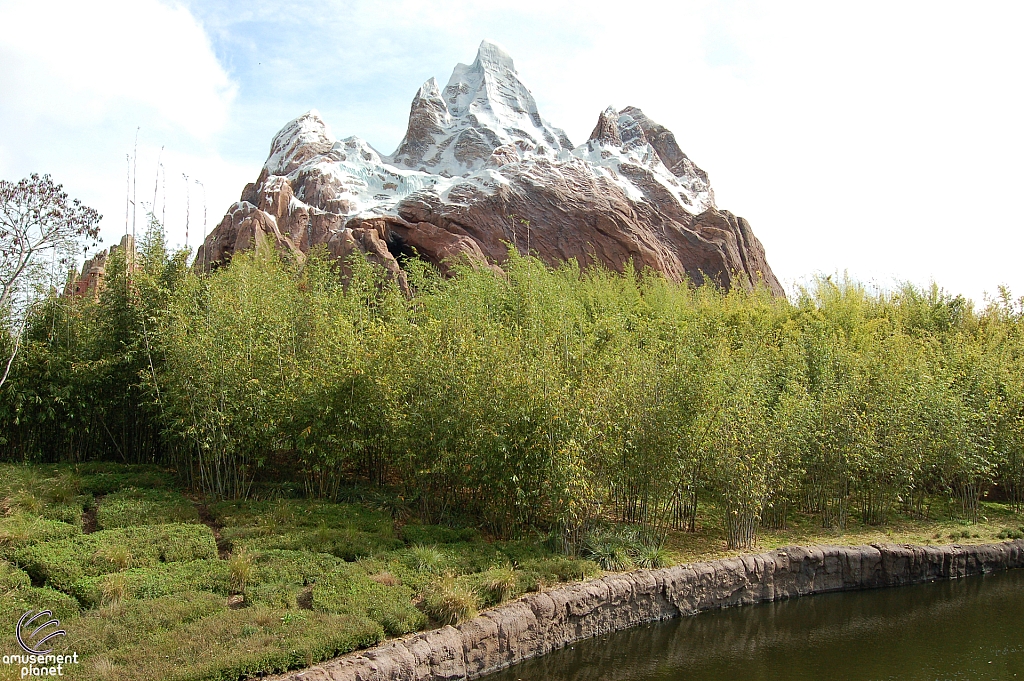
(450, 601)
(496, 585)
(611, 550)
(114, 589)
(136, 506)
(624, 548)
(426, 558)
(653, 556)
(240, 571)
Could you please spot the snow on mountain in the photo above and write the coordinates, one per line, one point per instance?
(477, 158)
(484, 118)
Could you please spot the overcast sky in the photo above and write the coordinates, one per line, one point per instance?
(883, 139)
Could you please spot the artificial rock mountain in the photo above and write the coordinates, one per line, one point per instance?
(479, 170)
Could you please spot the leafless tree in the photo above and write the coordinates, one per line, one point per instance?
(37, 219)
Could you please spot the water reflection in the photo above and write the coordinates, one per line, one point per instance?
(968, 629)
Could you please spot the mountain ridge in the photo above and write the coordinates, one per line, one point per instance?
(477, 165)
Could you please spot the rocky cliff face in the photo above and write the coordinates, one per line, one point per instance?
(89, 282)
(478, 170)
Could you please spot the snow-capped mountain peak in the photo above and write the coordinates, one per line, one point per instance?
(483, 107)
(298, 141)
(478, 164)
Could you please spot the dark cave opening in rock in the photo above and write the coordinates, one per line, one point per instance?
(398, 247)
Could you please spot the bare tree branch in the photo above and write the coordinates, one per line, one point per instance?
(36, 217)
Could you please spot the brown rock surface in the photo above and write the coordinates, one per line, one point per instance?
(89, 282)
(478, 170)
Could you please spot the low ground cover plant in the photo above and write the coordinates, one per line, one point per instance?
(301, 580)
(139, 506)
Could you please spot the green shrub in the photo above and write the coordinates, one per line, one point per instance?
(194, 636)
(63, 488)
(347, 544)
(273, 595)
(438, 534)
(288, 513)
(616, 548)
(652, 557)
(352, 592)
(99, 478)
(18, 600)
(38, 490)
(245, 643)
(538, 573)
(20, 530)
(12, 577)
(135, 506)
(294, 567)
(67, 513)
(63, 562)
(160, 580)
(132, 624)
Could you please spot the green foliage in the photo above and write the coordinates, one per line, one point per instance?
(134, 506)
(352, 592)
(159, 580)
(496, 585)
(61, 563)
(18, 600)
(346, 543)
(426, 558)
(51, 493)
(288, 513)
(193, 636)
(12, 577)
(21, 529)
(101, 477)
(624, 547)
(438, 534)
(537, 399)
(537, 573)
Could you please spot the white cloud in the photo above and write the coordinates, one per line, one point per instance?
(80, 80)
(77, 63)
(879, 137)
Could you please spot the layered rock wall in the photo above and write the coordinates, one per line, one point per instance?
(541, 622)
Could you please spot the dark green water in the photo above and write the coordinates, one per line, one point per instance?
(967, 629)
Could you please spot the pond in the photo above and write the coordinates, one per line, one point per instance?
(965, 629)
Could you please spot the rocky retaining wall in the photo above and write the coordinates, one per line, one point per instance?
(541, 622)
